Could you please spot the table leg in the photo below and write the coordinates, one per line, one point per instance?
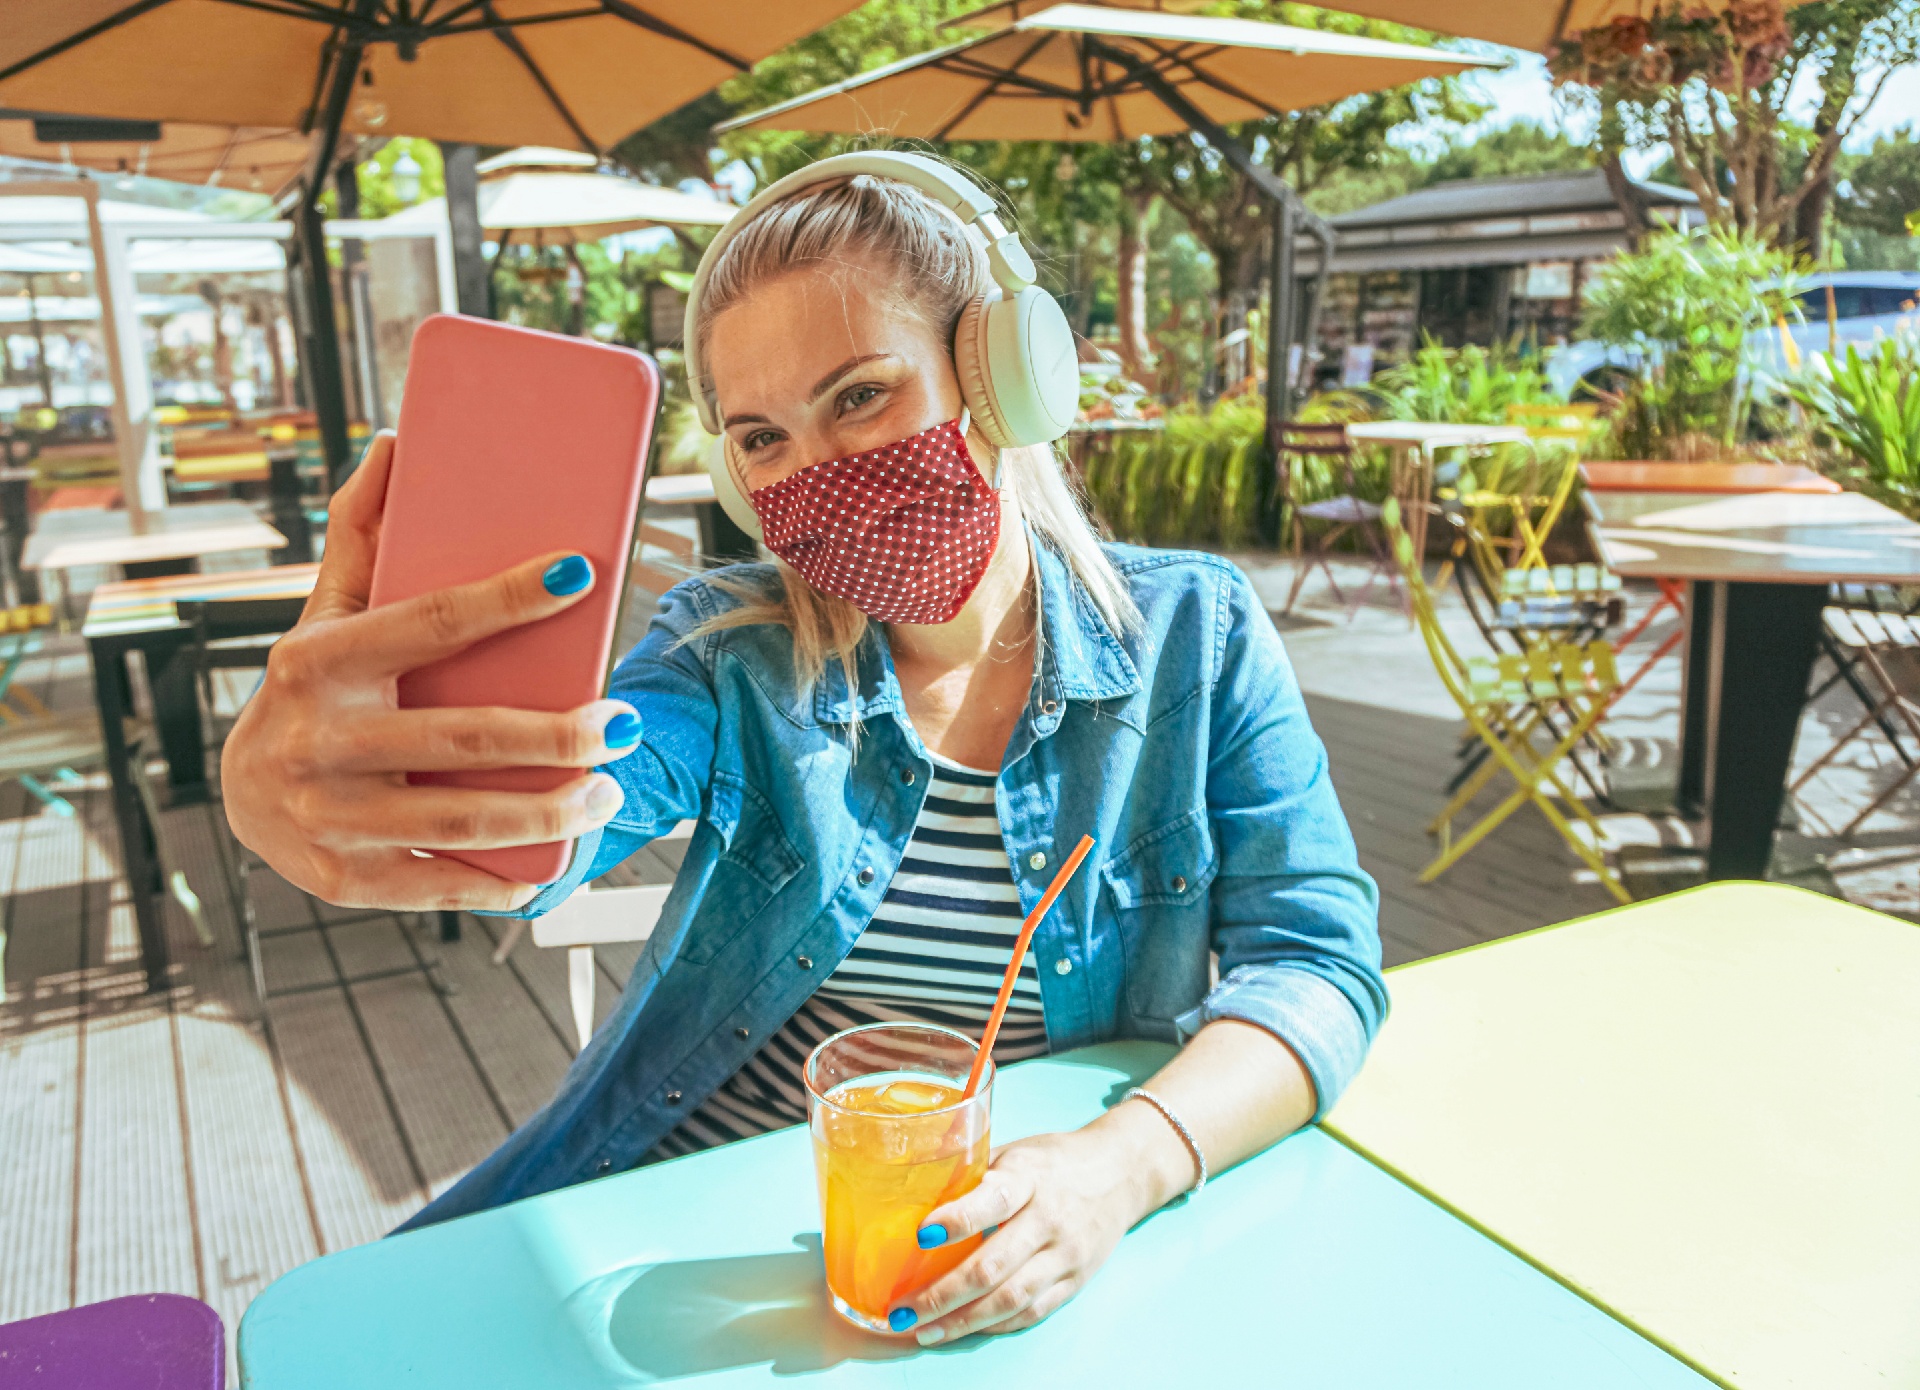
(1769, 638)
(137, 857)
(176, 718)
(1696, 721)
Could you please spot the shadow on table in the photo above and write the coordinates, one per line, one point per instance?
(696, 1317)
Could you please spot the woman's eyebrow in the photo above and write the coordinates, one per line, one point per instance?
(826, 382)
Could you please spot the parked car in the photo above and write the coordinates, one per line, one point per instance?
(1864, 305)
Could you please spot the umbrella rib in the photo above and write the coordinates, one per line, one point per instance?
(519, 50)
(1005, 75)
(1206, 78)
(973, 68)
(80, 36)
(633, 14)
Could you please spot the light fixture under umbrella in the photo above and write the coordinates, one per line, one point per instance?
(1095, 73)
(246, 158)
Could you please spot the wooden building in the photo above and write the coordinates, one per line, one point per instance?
(1471, 261)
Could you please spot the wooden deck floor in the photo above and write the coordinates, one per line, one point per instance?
(191, 1142)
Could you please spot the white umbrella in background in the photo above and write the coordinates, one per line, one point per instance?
(561, 198)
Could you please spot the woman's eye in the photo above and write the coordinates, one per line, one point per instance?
(856, 396)
(760, 439)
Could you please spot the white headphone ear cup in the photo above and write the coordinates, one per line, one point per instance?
(728, 491)
(1031, 367)
(970, 364)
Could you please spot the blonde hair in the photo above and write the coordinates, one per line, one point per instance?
(941, 268)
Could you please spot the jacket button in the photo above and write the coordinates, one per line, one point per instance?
(1063, 966)
(908, 777)
(673, 1097)
(1036, 861)
(866, 877)
(804, 962)
(1179, 883)
(741, 1034)
(1049, 706)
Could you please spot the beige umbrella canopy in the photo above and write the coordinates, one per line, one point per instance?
(253, 160)
(994, 16)
(524, 192)
(1073, 72)
(579, 73)
(1532, 24)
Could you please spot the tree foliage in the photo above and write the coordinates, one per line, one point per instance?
(1712, 90)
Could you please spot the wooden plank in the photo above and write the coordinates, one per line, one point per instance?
(449, 1117)
(521, 1056)
(136, 1230)
(362, 1179)
(256, 1221)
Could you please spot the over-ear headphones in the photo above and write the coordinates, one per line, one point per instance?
(1019, 371)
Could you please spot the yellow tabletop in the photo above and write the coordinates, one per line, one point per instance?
(1702, 1112)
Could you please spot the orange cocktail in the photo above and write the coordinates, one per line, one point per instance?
(892, 1140)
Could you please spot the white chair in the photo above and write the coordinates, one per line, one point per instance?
(595, 917)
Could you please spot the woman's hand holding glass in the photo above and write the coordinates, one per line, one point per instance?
(314, 772)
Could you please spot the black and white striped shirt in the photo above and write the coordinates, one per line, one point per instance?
(934, 952)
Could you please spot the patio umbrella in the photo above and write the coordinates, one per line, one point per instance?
(255, 160)
(582, 73)
(1089, 72)
(1094, 73)
(1528, 24)
(560, 201)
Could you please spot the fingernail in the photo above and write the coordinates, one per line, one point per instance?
(931, 1335)
(932, 1237)
(568, 576)
(900, 1319)
(604, 799)
(622, 731)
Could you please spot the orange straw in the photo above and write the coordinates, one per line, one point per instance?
(1020, 944)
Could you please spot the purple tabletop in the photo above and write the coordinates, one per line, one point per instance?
(158, 1341)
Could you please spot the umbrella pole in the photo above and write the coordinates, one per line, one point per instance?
(323, 358)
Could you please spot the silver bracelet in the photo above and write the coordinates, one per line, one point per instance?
(1186, 1135)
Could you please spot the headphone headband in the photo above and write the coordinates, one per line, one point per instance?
(1007, 260)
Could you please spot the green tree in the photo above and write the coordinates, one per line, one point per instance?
(1713, 90)
(1883, 185)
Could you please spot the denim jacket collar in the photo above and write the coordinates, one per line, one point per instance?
(1081, 658)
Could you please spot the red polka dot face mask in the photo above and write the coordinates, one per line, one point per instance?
(903, 532)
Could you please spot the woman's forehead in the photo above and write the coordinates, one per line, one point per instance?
(795, 322)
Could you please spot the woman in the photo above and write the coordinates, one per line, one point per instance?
(890, 741)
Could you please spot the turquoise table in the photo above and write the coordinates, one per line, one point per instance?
(1306, 1267)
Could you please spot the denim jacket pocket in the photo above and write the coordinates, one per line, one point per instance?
(1158, 885)
(756, 860)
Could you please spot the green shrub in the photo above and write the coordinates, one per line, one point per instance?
(1463, 386)
(1869, 405)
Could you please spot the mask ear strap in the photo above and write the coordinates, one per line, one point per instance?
(999, 455)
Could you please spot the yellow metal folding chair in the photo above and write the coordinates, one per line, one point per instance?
(1530, 710)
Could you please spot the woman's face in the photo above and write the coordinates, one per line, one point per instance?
(825, 362)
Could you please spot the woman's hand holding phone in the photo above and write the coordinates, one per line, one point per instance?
(314, 772)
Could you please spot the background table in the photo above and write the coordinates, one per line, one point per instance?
(1306, 1268)
(95, 536)
(1635, 476)
(1757, 566)
(139, 615)
(1701, 1111)
(1414, 443)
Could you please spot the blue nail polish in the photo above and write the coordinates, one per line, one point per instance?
(568, 576)
(932, 1237)
(622, 731)
(900, 1319)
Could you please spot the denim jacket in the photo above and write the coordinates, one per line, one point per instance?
(1184, 750)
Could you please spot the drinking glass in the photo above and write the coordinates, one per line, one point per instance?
(892, 1140)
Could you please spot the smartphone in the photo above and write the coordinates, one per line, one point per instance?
(515, 443)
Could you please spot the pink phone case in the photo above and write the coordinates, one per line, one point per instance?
(512, 444)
